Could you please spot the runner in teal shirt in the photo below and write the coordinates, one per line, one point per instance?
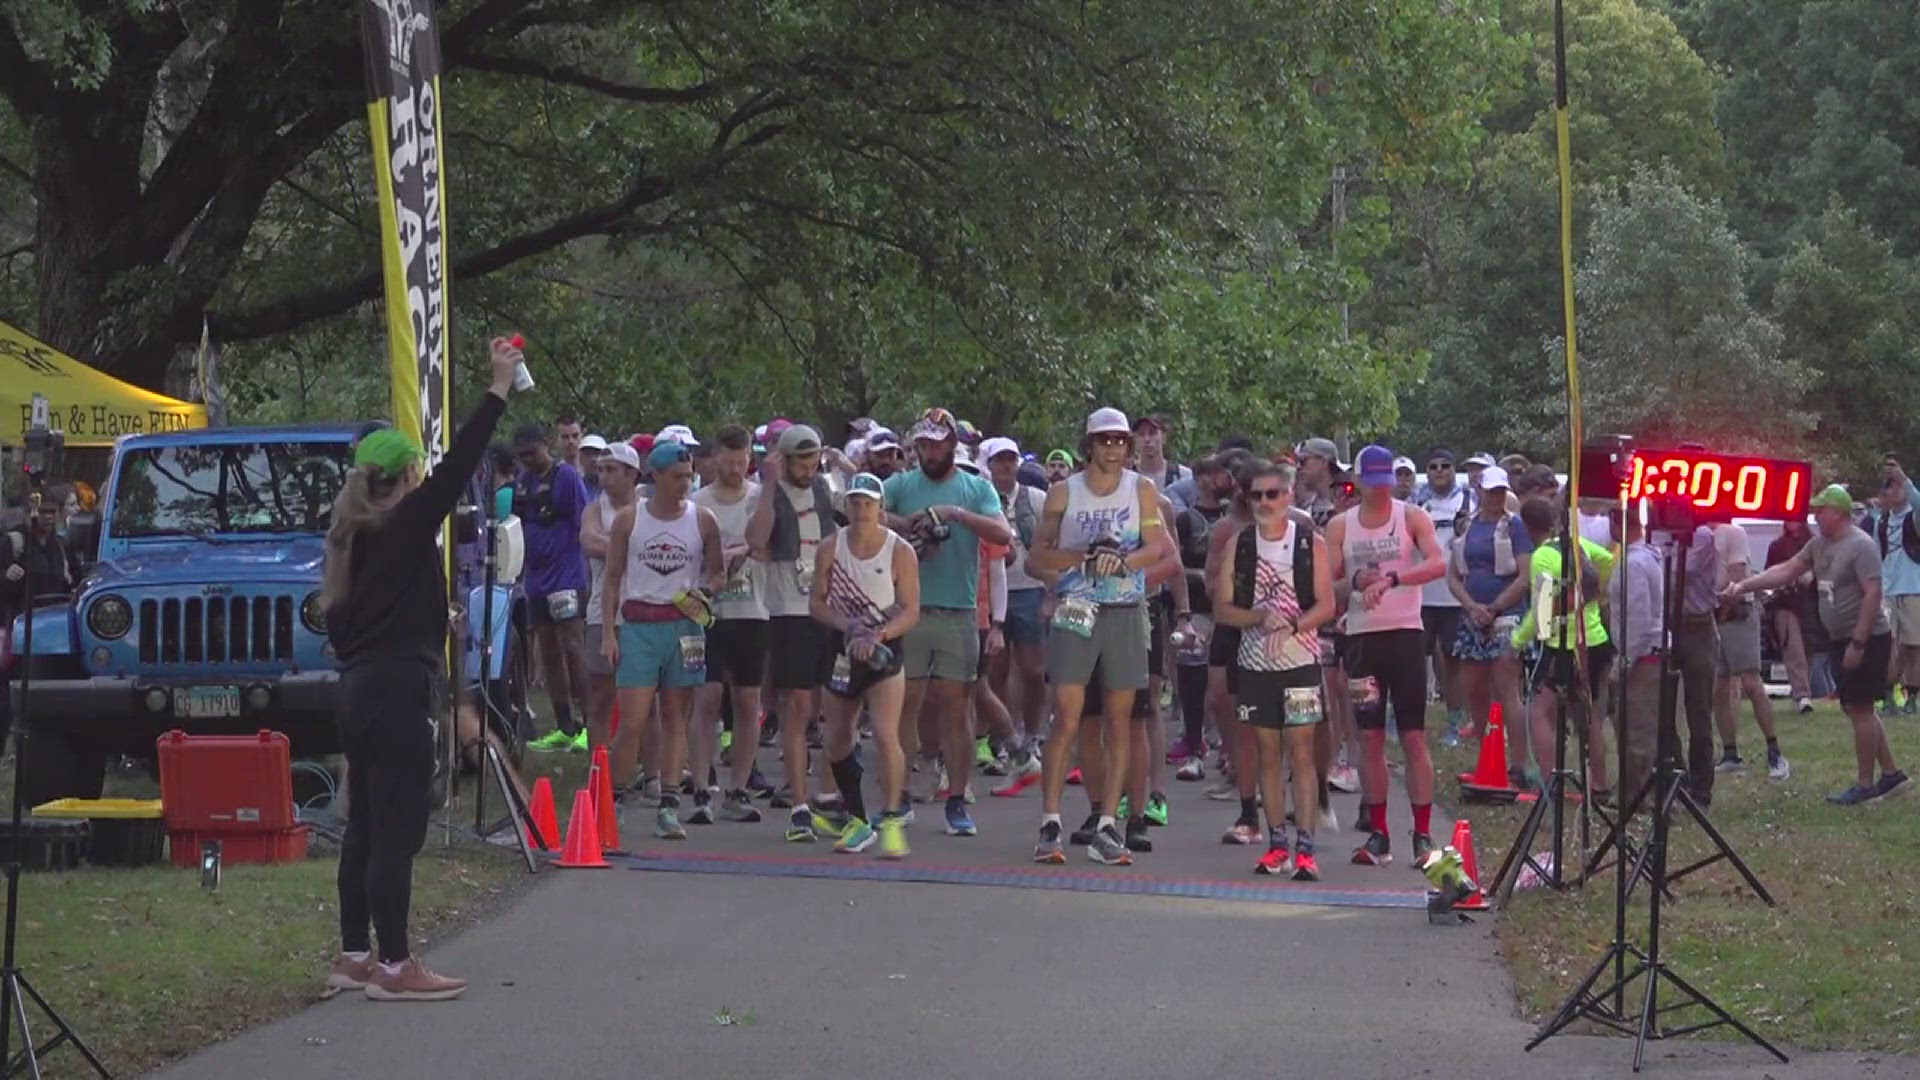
(949, 572)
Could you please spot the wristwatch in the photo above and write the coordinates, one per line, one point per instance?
(1393, 577)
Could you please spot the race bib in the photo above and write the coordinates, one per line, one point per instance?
(563, 605)
(1303, 705)
(693, 652)
(1077, 615)
(840, 681)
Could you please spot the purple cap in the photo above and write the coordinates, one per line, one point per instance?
(1374, 467)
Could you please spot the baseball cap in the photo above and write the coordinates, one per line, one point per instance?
(935, 425)
(679, 433)
(625, 454)
(1106, 421)
(667, 453)
(998, 445)
(1403, 463)
(1493, 476)
(389, 448)
(963, 457)
(760, 439)
(969, 434)
(797, 439)
(1319, 447)
(882, 439)
(867, 486)
(1831, 497)
(642, 443)
(1159, 422)
(1064, 457)
(1374, 466)
(594, 442)
(1482, 460)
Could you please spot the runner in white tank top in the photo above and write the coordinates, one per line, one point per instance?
(1384, 551)
(664, 557)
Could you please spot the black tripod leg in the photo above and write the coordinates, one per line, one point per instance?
(517, 814)
(67, 1034)
(1725, 1017)
(1726, 849)
(1576, 1003)
(1648, 1014)
(1508, 875)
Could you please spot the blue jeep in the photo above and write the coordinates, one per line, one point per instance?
(201, 610)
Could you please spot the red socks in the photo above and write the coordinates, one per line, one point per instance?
(1377, 817)
(1422, 819)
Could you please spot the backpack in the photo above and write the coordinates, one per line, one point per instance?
(1909, 537)
(1247, 554)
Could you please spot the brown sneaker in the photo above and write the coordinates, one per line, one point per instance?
(348, 974)
(413, 982)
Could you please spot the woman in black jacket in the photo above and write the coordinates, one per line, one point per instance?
(385, 591)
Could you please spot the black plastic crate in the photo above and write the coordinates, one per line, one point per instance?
(45, 844)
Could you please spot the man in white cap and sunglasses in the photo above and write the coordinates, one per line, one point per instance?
(1100, 530)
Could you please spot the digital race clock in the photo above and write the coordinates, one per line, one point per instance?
(1721, 486)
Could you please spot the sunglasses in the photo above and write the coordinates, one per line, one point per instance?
(1439, 466)
(1266, 494)
(1111, 438)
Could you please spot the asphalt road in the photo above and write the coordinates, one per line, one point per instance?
(642, 972)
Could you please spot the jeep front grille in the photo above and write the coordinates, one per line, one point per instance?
(195, 630)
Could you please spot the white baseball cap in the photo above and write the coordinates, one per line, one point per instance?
(1105, 421)
(882, 439)
(622, 452)
(998, 445)
(963, 457)
(1404, 463)
(679, 433)
(594, 442)
(1493, 476)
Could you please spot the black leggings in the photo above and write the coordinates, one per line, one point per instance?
(1190, 681)
(384, 711)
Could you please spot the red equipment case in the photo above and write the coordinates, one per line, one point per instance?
(226, 783)
(287, 845)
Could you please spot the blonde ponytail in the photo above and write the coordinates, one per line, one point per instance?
(362, 502)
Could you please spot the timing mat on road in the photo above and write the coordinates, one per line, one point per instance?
(1037, 877)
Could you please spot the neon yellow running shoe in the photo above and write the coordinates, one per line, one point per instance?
(893, 837)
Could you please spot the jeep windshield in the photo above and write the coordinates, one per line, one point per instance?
(242, 487)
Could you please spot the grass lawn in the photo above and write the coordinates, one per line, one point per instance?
(1835, 964)
(147, 966)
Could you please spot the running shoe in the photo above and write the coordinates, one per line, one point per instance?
(738, 806)
(666, 823)
(1730, 763)
(1778, 768)
(1126, 809)
(982, 752)
(1136, 838)
(997, 766)
(1083, 835)
(1450, 735)
(578, 744)
(1857, 795)
(1194, 768)
(1074, 777)
(1224, 791)
(1021, 777)
(1890, 784)
(1329, 820)
(1277, 862)
(893, 837)
(858, 837)
(650, 791)
(959, 822)
(726, 743)
(702, 812)
(1049, 849)
(555, 741)
(687, 786)
(1422, 844)
(1179, 751)
(1242, 832)
(830, 821)
(1305, 868)
(1803, 705)
(905, 813)
(782, 799)
(1344, 778)
(1108, 849)
(1377, 851)
(800, 827)
(757, 784)
(1156, 808)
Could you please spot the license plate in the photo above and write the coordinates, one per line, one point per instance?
(206, 702)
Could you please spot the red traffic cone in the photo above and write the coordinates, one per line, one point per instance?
(583, 837)
(1463, 843)
(543, 827)
(604, 809)
(1488, 782)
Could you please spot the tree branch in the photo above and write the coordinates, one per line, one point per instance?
(24, 82)
(566, 76)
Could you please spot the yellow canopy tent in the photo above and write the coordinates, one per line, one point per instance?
(90, 407)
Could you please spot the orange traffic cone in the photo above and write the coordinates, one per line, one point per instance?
(603, 808)
(1488, 782)
(1463, 843)
(543, 827)
(583, 837)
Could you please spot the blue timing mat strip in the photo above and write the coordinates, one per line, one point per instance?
(1020, 878)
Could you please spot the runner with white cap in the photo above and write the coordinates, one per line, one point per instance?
(1022, 667)
(1100, 530)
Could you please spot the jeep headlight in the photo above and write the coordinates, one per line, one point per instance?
(110, 617)
(313, 614)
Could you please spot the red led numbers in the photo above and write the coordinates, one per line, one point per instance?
(1722, 485)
